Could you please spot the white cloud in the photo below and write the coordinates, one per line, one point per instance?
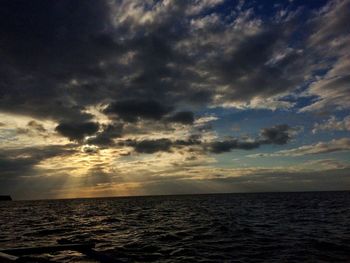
(331, 41)
(200, 5)
(335, 145)
(205, 119)
(333, 124)
(332, 90)
(323, 164)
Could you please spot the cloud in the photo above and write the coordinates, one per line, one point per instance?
(328, 164)
(279, 134)
(205, 119)
(18, 165)
(335, 145)
(332, 89)
(36, 126)
(331, 39)
(229, 145)
(331, 22)
(150, 146)
(132, 55)
(153, 77)
(194, 139)
(21, 162)
(47, 169)
(132, 110)
(281, 179)
(332, 124)
(31, 129)
(90, 149)
(183, 117)
(41, 57)
(201, 5)
(106, 136)
(77, 131)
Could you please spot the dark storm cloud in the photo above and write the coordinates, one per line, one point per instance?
(58, 58)
(77, 131)
(222, 146)
(105, 137)
(279, 135)
(194, 139)
(10, 165)
(229, 145)
(132, 110)
(161, 145)
(183, 117)
(46, 45)
(21, 162)
(151, 146)
(153, 59)
(246, 66)
(139, 109)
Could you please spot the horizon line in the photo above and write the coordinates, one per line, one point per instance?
(183, 194)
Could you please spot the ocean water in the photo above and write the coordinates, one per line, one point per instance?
(262, 227)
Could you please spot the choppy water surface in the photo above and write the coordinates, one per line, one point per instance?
(270, 227)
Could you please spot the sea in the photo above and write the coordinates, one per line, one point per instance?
(254, 227)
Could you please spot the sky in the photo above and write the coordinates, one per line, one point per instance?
(119, 98)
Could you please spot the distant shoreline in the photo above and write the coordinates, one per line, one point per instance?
(186, 194)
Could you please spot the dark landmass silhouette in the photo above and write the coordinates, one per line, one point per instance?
(5, 198)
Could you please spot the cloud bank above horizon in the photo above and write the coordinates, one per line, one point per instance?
(118, 97)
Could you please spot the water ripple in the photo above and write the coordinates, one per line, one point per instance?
(280, 227)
